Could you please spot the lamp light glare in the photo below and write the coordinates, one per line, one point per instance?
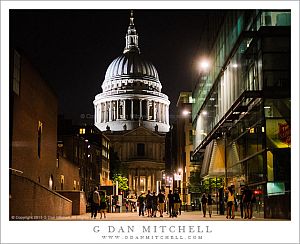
(204, 64)
(185, 112)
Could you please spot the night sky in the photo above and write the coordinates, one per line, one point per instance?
(73, 48)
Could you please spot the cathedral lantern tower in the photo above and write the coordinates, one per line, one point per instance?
(131, 94)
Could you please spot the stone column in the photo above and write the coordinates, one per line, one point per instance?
(133, 179)
(117, 104)
(141, 108)
(96, 112)
(153, 180)
(110, 111)
(139, 182)
(167, 114)
(164, 113)
(146, 183)
(131, 109)
(154, 111)
(114, 110)
(124, 115)
(100, 113)
(105, 119)
(130, 180)
(159, 112)
(147, 110)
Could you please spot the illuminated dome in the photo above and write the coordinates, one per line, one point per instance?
(131, 65)
(131, 92)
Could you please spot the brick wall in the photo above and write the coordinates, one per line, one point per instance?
(35, 102)
(32, 200)
(70, 173)
(79, 201)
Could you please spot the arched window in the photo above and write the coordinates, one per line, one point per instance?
(40, 126)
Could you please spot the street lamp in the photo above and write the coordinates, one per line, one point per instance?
(180, 180)
(204, 64)
(186, 112)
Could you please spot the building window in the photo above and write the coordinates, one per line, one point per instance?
(40, 126)
(82, 131)
(51, 182)
(17, 73)
(141, 149)
(57, 160)
(62, 180)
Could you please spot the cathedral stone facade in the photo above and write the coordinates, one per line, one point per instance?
(135, 114)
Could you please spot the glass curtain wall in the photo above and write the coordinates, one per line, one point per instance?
(258, 144)
(219, 87)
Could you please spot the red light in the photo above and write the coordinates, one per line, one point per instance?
(257, 192)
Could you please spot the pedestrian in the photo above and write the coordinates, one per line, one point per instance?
(161, 202)
(204, 203)
(154, 204)
(230, 203)
(253, 202)
(209, 204)
(108, 204)
(95, 203)
(103, 205)
(242, 202)
(248, 199)
(114, 203)
(132, 204)
(170, 203)
(176, 201)
(118, 207)
(149, 203)
(141, 203)
(127, 205)
(180, 206)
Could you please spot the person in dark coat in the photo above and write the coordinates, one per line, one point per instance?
(170, 203)
(161, 202)
(154, 204)
(103, 205)
(176, 202)
(141, 203)
(149, 203)
(209, 204)
(95, 203)
(248, 199)
(204, 202)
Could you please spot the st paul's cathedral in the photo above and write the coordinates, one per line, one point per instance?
(134, 113)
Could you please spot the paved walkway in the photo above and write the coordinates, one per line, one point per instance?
(189, 216)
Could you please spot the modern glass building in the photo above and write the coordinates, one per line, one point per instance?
(241, 115)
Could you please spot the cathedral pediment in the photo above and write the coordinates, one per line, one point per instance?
(141, 131)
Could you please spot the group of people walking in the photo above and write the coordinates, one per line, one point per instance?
(247, 200)
(152, 204)
(246, 203)
(207, 204)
